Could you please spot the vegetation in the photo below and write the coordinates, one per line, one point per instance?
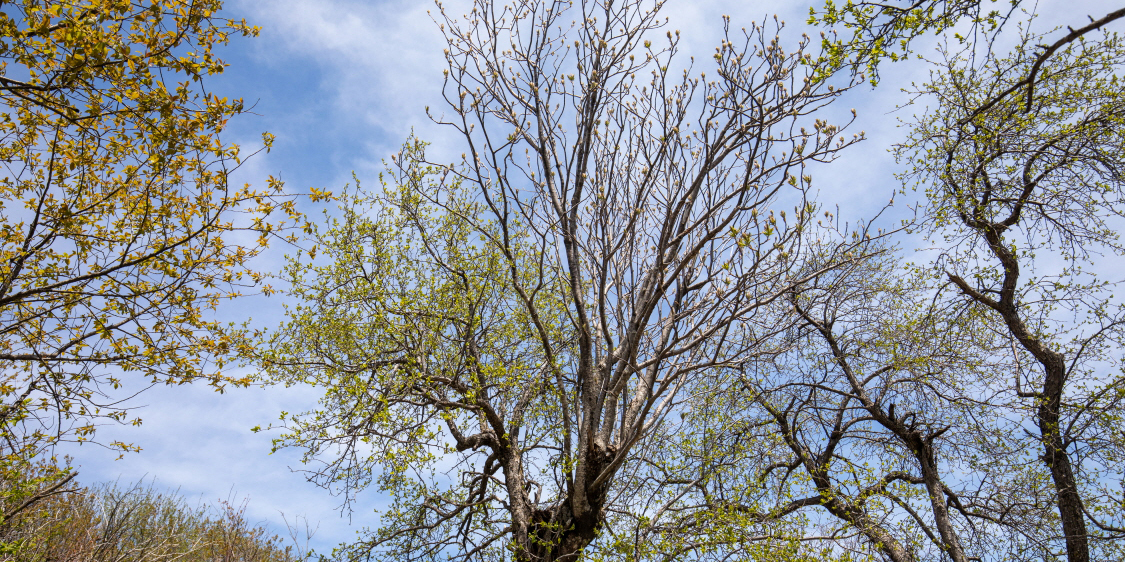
(538, 312)
(1025, 191)
(619, 326)
(119, 230)
(135, 524)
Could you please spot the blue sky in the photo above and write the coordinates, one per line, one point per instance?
(341, 83)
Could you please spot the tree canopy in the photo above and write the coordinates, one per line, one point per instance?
(119, 229)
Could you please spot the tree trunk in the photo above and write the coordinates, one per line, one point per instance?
(562, 532)
(1054, 455)
(1048, 414)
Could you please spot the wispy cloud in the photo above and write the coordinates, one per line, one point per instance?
(378, 64)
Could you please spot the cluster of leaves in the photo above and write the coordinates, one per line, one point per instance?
(119, 230)
(866, 33)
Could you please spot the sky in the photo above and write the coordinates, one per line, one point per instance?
(341, 84)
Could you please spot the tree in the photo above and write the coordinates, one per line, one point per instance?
(916, 415)
(861, 349)
(895, 417)
(119, 232)
(503, 341)
(1026, 191)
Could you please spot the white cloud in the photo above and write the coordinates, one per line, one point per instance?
(379, 62)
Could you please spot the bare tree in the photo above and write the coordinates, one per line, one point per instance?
(503, 340)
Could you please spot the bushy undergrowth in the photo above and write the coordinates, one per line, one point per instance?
(47, 518)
